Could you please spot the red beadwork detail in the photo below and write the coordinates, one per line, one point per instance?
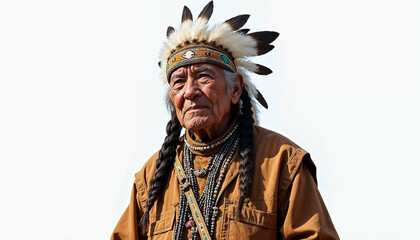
(190, 224)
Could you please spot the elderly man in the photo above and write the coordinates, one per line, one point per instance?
(226, 178)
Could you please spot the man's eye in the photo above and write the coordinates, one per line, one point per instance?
(204, 75)
(177, 81)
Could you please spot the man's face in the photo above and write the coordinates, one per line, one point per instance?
(202, 99)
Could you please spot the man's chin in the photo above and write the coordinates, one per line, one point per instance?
(196, 123)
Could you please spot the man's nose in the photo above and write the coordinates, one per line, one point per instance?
(192, 89)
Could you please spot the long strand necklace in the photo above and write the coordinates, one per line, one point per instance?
(207, 200)
(202, 172)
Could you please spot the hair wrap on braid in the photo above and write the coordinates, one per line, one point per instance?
(246, 149)
(164, 166)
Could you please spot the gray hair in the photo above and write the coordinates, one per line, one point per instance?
(230, 79)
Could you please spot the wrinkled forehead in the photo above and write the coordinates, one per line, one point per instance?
(195, 69)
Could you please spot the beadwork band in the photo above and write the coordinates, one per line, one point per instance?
(199, 54)
(192, 203)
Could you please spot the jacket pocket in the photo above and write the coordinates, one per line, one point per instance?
(254, 224)
(161, 226)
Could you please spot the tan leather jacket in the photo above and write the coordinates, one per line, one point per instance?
(284, 202)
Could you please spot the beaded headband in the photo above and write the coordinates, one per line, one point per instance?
(199, 54)
(225, 45)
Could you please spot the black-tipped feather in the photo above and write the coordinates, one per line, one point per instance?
(243, 31)
(160, 64)
(261, 99)
(169, 31)
(238, 21)
(207, 11)
(264, 37)
(186, 14)
(263, 49)
(262, 70)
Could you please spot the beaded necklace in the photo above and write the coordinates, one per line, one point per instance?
(211, 146)
(207, 200)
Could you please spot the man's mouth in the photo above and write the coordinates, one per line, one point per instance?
(195, 108)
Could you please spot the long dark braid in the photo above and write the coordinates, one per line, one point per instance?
(246, 148)
(164, 166)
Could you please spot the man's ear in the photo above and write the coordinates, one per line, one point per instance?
(237, 88)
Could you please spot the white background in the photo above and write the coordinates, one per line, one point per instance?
(81, 105)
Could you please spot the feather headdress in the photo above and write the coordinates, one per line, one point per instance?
(225, 44)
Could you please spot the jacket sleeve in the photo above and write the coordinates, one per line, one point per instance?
(304, 211)
(126, 228)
